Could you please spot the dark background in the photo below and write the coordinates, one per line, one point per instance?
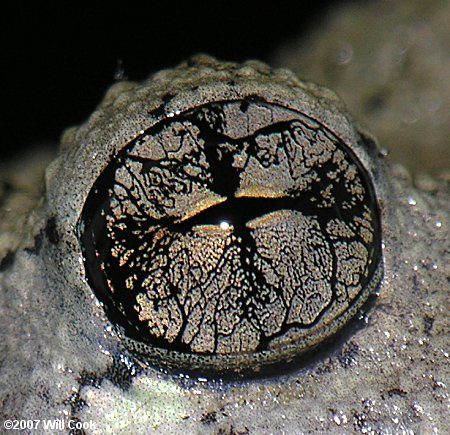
(58, 60)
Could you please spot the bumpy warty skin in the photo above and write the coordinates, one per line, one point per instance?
(62, 358)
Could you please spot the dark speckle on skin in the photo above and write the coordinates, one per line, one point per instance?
(349, 355)
(89, 379)
(7, 261)
(360, 422)
(232, 432)
(37, 246)
(209, 417)
(76, 403)
(75, 400)
(397, 392)
(51, 231)
(428, 324)
(167, 98)
(120, 374)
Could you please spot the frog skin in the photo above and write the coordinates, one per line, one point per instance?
(61, 357)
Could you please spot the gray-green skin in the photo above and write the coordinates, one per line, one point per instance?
(60, 358)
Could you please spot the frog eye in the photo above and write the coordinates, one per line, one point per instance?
(234, 235)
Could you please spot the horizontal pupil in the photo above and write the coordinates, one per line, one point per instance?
(237, 212)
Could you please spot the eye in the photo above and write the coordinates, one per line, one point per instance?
(235, 235)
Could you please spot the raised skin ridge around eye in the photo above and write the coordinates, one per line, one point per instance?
(237, 233)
